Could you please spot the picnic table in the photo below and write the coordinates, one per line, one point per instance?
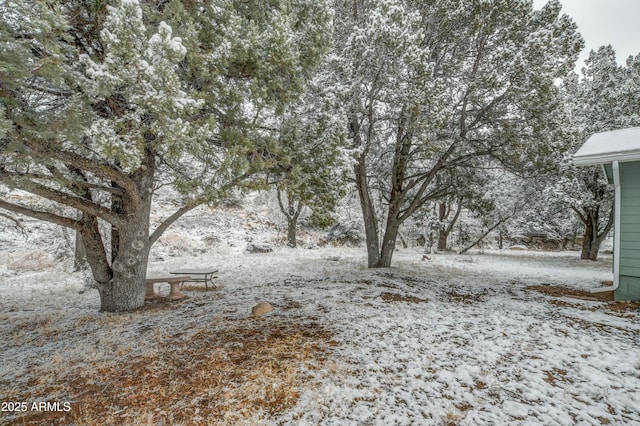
(197, 275)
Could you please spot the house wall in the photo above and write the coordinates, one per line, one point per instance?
(629, 288)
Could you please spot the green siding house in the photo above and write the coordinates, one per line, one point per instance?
(618, 152)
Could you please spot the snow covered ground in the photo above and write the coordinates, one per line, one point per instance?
(456, 339)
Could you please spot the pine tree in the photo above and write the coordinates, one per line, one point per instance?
(432, 87)
(313, 159)
(101, 103)
(605, 97)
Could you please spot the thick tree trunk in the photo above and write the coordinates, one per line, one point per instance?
(368, 214)
(388, 243)
(592, 238)
(126, 289)
(121, 284)
(590, 245)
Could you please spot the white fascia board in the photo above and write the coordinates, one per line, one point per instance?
(591, 160)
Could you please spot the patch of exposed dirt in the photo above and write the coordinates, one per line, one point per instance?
(611, 305)
(247, 371)
(395, 297)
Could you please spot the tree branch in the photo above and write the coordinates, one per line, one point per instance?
(188, 207)
(426, 181)
(71, 201)
(583, 218)
(281, 204)
(453, 221)
(169, 221)
(99, 169)
(487, 232)
(70, 184)
(17, 222)
(608, 226)
(41, 215)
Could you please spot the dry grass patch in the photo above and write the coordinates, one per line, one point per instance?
(395, 297)
(244, 373)
(556, 375)
(468, 299)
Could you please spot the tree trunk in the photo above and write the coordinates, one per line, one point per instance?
(292, 223)
(368, 214)
(444, 211)
(126, 289)
(117, 206)
(592, 238)
(80, 254)
(442, 240)
(121, 282)
(590, 244)
(388, 243)
(292, 213)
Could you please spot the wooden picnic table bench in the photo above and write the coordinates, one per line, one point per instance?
(198, 275)
(174, 282)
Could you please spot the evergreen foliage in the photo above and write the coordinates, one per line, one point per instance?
(605, 97)
(103, 102)
(461, 108)
(437, 87)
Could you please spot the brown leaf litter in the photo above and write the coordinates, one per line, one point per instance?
(247, 371)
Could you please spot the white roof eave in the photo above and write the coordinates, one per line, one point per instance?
(621, 145)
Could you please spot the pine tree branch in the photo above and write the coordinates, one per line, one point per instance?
(72, 185)
(281, 204)
(41, 215)
(99, 169)
(64, 198)
(157, 233)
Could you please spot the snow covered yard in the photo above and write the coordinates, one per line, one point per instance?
(450, 340)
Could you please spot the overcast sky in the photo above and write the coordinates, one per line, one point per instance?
(603, 22)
